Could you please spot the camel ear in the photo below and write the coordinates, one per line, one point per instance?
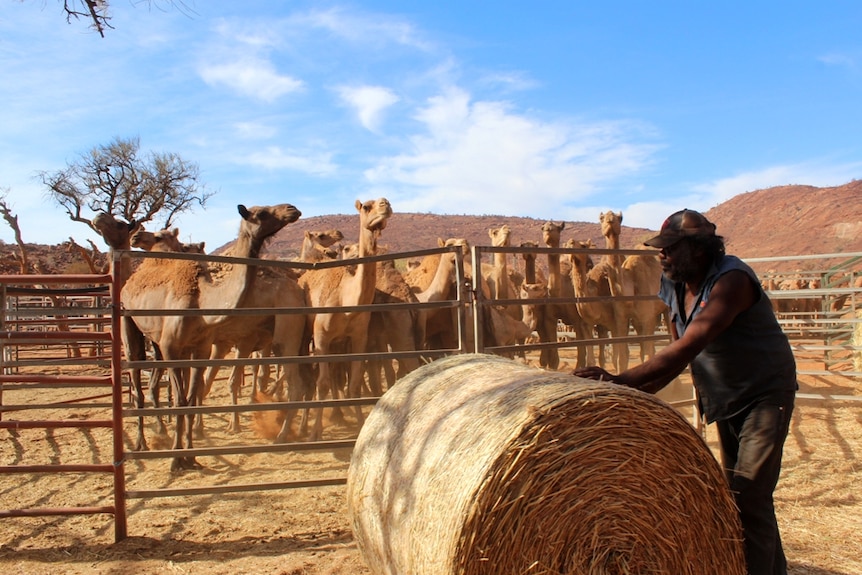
(358, 206)
(243, 211)
(176, 232)
(440, 242)
(562, 226)
(620, 214)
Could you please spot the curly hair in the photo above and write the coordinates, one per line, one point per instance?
(713, 246)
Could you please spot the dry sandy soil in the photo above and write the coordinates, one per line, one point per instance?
(308, 531)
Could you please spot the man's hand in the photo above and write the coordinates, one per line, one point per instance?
(594, 372)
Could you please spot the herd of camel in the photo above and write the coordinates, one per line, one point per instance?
(582, 291)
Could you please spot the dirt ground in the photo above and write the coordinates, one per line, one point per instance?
(308, 531)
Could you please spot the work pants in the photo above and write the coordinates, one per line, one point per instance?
(751, 444)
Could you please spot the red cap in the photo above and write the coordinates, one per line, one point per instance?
(682, 224)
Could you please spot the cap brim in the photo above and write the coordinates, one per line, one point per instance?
(661, 241)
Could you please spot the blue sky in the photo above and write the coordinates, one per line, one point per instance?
(557, 111)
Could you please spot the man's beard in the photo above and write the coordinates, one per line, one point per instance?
(682, 269)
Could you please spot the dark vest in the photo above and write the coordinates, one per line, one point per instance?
(749, 360)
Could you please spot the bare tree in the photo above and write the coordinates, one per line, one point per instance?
(22, 258)
(97, 11)
(114, 179)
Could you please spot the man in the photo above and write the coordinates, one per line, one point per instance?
(722, 324)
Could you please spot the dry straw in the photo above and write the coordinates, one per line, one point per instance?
(476, 464)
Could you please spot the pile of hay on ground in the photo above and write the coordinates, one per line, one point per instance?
(478, 464)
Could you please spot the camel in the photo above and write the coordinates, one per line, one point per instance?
(279, 335)
(531, 289)
(605, 314)
(164, 240)
(560, 270)
(611, 225)
(546, 325)
(117, 235)
(642, 277)
(253, 331)
(390, 330)
(317, 245)
(500, 328)
(182, 285)
(393, 330)
(499, 284)
(638, 275)
(434, 279)
(336, 287)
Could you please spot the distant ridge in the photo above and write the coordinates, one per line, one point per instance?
(779, 221)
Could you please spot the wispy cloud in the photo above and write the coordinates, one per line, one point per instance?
(254, 131)
(824, 174)
(369, 103)
(275, 158)
(254, 78)
(367, 29)
(483, 157)
(509, 81)
(846, 60)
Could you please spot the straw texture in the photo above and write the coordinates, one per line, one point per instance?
(476, 464)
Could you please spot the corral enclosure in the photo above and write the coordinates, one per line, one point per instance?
(258, 506)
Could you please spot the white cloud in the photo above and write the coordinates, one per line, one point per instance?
(251, 77)
(840, 59)
(274, 158)
(367, 30)
(704, 196)
(510, 81)
(369, 103)
(483, 158)
(254, 131)
(808, 174)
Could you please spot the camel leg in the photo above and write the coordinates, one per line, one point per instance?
(621, 350)
(354, 387)
(179, 401)
(547, 329)
(135, 349)
(184, 395)
(237, 379)
(196, 379)
(324, 386)
(153, 386)
(291, 339)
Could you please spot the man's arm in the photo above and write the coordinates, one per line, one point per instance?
(733, 293)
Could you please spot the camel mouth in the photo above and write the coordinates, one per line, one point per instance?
(380, 217)
(378, 223)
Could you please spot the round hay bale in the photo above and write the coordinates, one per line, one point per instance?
(479, 464)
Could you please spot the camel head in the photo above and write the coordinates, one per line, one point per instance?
(194, 248)
(262, 222)
(551, 233)
(465, 247)
(116, 233)
(160, 241)
(325, 238)
(350, 251)
(500, 236)
(374, 214)
(611, 223)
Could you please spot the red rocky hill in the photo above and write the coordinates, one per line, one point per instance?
(779, 221)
